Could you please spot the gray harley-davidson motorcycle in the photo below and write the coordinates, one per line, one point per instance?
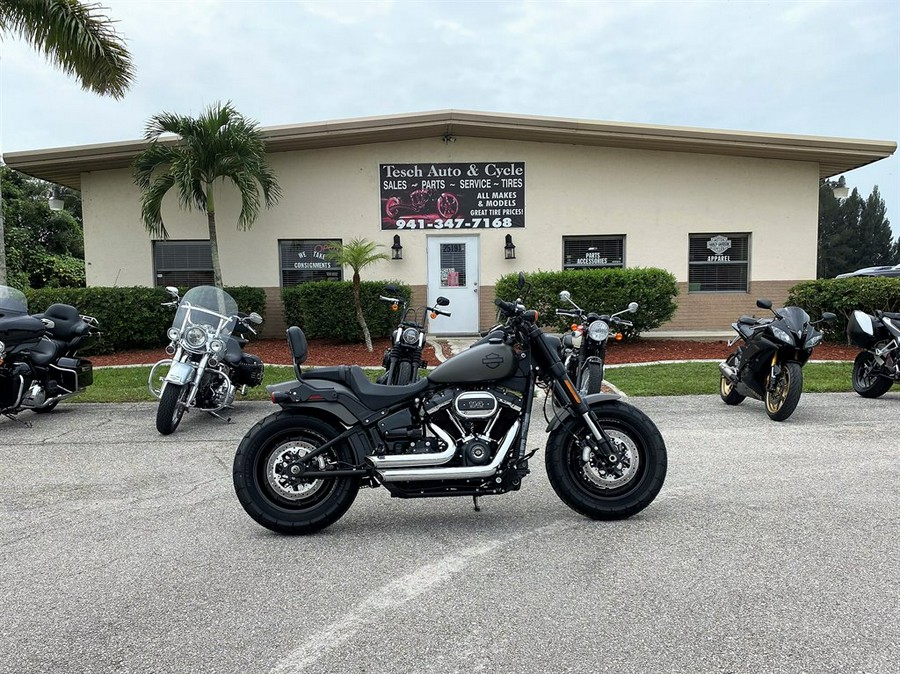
(459, 431)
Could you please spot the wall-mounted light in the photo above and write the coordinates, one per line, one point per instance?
(396, 249)
(55, 201)
(840, 191)
(509, 249)
(449, 138)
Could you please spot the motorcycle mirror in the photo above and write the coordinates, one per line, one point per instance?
(632, 307)
(521, 283)
(442, 301)
(764, 304)
(565, 295)
(172, 290)
(391, 288)
(255, 318)
(828, 316)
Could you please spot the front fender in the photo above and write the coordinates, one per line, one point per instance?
(594, 401)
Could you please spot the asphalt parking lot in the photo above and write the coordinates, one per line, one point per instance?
(771, 548)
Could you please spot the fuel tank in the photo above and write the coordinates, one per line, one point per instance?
(482, 362)
(15, 330)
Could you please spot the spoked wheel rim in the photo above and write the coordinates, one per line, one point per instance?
(864, 374)
(180, 406)
(447, 205)
(621, 477)
(275, 476)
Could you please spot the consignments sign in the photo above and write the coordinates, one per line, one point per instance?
(488, 195)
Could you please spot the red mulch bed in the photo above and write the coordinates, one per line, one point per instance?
(324, 352)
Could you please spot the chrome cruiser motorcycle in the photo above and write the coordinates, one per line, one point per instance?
(208, 361)
(876, 368)
(39, 362)
(584, 349)
(459, 431)
(769, 365)
(402, 361)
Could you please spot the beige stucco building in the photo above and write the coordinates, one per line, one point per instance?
(733, 215)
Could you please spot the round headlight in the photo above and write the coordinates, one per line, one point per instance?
(410, 335)
(195, 337)
(598, 330)
(782, 335)
(217, 345)
(173, 334)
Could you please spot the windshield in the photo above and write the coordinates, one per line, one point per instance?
(12, 301)
(207, 305)
(795, 317)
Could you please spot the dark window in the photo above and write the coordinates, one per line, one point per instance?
(304, 260)
(182, 263)
(719, 263)
(453, 265)
(593, 252)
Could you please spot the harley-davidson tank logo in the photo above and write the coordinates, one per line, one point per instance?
(719, 244)
(492, 360)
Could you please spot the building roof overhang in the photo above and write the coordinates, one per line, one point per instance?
(833, 155)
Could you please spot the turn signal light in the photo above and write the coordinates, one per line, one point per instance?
(433, 315)
(619, 337)
(394, 307)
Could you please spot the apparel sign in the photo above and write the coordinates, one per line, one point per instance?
(452, 196)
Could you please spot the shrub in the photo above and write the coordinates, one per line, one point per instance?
(842, 296)
(326, 309)
(604, 291)
(131, 317)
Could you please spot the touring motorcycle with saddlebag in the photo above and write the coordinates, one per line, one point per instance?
(877, 368)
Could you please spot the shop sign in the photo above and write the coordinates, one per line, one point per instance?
(718, 245)
(488, 195)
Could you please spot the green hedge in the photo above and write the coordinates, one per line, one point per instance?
(842, 296)
(131, 318)
(326, 309)
(604, 291)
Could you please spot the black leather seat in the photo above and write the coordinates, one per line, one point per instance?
(374, 396)
(45, 352)
(67, 323)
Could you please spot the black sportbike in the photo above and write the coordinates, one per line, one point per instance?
(877, 368)
(460, 431)
(402, 361)
(769, 366)
(39, 362)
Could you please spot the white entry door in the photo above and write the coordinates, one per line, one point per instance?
(453, 273)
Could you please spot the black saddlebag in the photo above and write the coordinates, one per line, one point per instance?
(72, 374)
(248, 372)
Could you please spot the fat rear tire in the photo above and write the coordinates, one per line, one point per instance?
(582, 487)
(865, 383)
(171, 407)
(259, 481)
(781, 402)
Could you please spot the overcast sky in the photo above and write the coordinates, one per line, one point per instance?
(815, 67)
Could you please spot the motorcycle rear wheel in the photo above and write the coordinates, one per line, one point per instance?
(172, 405)
(262, 484)
(726, 388)
(781, 401)
(598, 493)
(866, 381)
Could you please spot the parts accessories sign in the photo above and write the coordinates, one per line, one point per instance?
(453, 196)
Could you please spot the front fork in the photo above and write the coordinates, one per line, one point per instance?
(774, 373)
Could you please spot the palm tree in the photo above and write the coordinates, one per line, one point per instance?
(221, 143)
(76, 38)
(357, 254)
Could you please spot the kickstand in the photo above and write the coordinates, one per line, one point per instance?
(475, 503)
(227, 420)
(13, 417)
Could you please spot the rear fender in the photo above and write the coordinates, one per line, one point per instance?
(332, 399)
(594, 401)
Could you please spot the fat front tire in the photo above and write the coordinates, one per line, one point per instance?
(600, 492)
(727, 392)
(262, 482)
(866, 380)
(781, 401)
(171, 408)
(590, 378)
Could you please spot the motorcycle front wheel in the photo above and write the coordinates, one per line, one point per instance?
(603, 492)
(866, 380)
(263, 482)
(782, 399)
(590, 378)
(404, 373)
(171, 408)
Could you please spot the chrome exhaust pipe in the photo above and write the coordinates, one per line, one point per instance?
(460, 473)
(425, 459)
(728, 371)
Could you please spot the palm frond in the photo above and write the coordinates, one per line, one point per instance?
(75, 37)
